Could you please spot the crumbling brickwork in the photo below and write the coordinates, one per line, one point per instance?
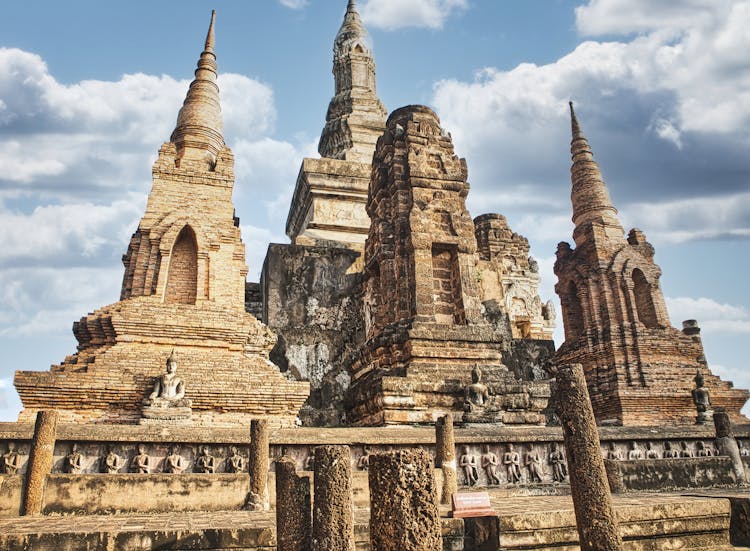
(183, 289)
(423, 313)
(509, 282)
(311, 289)
(312, 300)
(639, 369)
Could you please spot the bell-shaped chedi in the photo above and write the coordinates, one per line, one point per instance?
(425, 330)
(183, 289)
(639, 369)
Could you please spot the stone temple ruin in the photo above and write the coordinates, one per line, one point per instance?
(390, 317)
(183, 293)
(466, 296)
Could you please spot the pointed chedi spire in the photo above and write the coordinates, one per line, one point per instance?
(352, 31)
(198, 133)
(356, 117)
(589, 195)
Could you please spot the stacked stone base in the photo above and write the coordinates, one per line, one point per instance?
(672, 522)
(657, 522)
(657, 388)
(415, 375)
(222, 358)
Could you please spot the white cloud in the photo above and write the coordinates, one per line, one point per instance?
(101, 136)
(294, 4)
(397, 14)
(46, 301)
(673, 108)
(689, 219)
(601, 17)
(712, 316)
(57, 234)
(5, 393)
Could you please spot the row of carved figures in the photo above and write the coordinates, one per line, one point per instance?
(512, 463)
(635, 452)
(142, 463)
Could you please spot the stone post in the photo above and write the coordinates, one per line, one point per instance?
(403, 502)
(333, 524)
(727, 444)
(445, 456)
(293, 513)
(597, 525)
(258, 464)
(40, 461)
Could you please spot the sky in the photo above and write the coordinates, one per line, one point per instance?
(89, 90)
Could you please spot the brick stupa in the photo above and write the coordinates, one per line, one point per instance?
(639, 369)
(425, 329)
(183, 289)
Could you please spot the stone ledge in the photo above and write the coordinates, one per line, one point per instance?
(346, 435)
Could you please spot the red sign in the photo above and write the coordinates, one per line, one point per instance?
(474, 504)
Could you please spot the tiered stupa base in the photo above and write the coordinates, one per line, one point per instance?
(422, 374)
(222, 357)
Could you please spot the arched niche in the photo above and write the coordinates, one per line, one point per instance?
(573, 313)
(182, 278)
(644, 301)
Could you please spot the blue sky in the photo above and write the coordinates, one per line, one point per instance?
(89, 90)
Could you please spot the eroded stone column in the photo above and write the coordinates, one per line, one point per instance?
(293, 513)
(597, 525)
(258, 465)
(333, 524)
(445, 456)
(403, 502)
(727, 444)
(40, 461)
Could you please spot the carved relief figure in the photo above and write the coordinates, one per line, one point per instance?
(489, 464)
(73, 461)
(703, 450)
(206, 463)
(169, 390)
(9, 462)
(512, 462)
(364, 462)
(476, 395)
(702, 400)
(235, 462)
(557, 461)
(686, 451)
(614, 454)
(669, 452)
(744, 452)
(111, 462)
(468, 463)
(174, 462)
(651, 453)
(310, 463)
(534, 465)
(140, 462)
(635, 452)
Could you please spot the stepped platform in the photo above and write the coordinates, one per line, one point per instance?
(650, 522)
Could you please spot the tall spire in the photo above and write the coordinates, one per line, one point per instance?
(590, 197)
(356, 117)
(198, 133)
(351, 33)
